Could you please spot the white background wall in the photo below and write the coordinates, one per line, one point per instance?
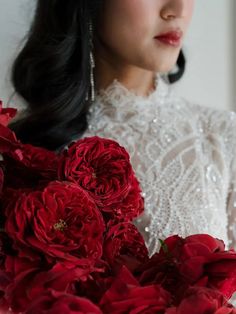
(15, 17)
(209, 49)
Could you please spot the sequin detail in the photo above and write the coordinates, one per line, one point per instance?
(183, 155)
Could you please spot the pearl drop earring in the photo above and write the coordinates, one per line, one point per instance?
(92, 63)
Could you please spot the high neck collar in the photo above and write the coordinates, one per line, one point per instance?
(117, 92)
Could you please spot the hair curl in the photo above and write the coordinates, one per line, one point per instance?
(51, 73)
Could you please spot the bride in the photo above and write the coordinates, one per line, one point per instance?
(103, 68)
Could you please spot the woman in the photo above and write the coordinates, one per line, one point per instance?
(97, 68)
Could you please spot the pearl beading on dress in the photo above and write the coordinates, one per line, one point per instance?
(183, 155)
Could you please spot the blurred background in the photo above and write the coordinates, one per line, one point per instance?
(209, 46)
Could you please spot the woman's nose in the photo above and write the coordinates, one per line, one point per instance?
(174, 9)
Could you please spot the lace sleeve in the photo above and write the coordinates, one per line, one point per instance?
(231, 205)
(231, 197)
(231, 208)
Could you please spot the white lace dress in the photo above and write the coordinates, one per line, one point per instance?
(183, 155)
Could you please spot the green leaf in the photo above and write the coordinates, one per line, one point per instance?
(164, 246)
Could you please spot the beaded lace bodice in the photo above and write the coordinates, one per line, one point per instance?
(183, 155)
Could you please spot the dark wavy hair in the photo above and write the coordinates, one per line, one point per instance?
(51, 73)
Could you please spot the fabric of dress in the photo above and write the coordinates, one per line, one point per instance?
(183, 154)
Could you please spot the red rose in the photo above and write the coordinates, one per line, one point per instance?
(200, 300)
(195, 260)
(29, 283)
(4, 282)
(124, 244)
(5, 278)
(1, 179)
(9, 143)
(53, 302)
(4, 308)
(163, 271)
(127, 296)
(222, 310)
(18, 176)
(96, 285)
(102, 167)
(190, 253)
(202, 260)
(4, 242)
(25, 164)
(30, 167)
(62, 221)
(130, 207)
(40, 160)
(226, 310)
(221, 272)
(6, 114)
(24, 158)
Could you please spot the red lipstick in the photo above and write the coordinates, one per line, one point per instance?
(170, 38)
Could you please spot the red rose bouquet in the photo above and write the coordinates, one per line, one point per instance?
(68, 244)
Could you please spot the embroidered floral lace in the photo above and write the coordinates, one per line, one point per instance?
(183, 155)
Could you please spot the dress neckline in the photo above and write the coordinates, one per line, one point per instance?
(117, 92)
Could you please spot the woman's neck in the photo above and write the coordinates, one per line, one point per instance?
(139, 80)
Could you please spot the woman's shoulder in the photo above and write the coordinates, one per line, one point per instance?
(217, 122)
(209, 118)
(214, 119)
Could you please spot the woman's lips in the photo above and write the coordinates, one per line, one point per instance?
(171, 38)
